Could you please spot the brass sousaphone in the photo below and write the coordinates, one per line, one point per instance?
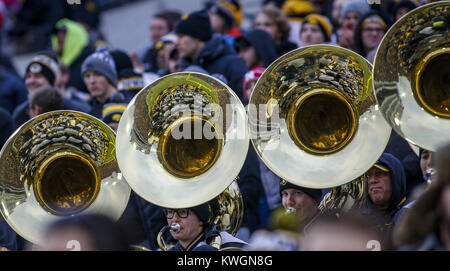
(411, 76)
(182, 141)
(313, 117)
(56, 165)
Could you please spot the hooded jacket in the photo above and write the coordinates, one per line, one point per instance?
(398, 196)
(263, 44)
(358, 37)
(76, 48)
(12, 90)
(219, 59)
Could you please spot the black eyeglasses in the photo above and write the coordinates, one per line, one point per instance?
(182, 213)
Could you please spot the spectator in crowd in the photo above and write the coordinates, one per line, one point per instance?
(100, 76)
(276, 23)
(257, 48)
(316, 29)
(351, 12)
(88, 15)
(226, 17)
(164, 47)
(197, 44)
(70, 93)
(6, 126)
(70, 42)
(369, 32)
(296, 11)
(425, 226)
(250, 79)
(12, 90)
(33, 25)
(401, 8)
(161, 24)
(44, 100)
(92, 232)
(129, 82)
(386, 190)
(42, 71)
(335, 12)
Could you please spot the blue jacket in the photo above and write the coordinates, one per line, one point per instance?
(8, 238)
(219, 58)
(6, 126)
(12, 91)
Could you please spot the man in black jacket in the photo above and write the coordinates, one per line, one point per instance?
(197, 44)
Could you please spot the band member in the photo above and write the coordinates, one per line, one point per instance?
(189, 227)
(192, 229)
(301, 200)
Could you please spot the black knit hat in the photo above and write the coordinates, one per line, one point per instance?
(315, 194)
(196, 25)
(203, 213)
(224, 13)
(130, 80)
(122, 60)
(45, 63)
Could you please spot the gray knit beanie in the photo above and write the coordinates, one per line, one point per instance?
(360, 6)
(102, 62)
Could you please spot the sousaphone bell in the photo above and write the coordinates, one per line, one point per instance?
(313, 117)
(59, 164)
(182, 140)
(412, 76)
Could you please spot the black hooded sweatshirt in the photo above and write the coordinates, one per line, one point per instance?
(358, 37)
(220, 60)
(263, 44)
(398, 196)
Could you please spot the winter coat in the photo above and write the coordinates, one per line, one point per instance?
(358, 35)
(76, 48)
(6, 126)
(219, 59)
(263, 44)
(12, 90)
(251, 189)
(398, 196)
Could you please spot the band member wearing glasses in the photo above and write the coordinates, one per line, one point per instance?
(189, 227)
